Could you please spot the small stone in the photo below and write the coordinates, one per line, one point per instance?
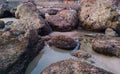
(2, 24)
(81, 54)
(110, 32)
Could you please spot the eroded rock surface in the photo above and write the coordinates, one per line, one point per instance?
(17, 51)
(73, 66)
(98, 15)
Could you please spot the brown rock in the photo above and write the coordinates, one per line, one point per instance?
(62, 42)
(25, 24)
(107, 45)
(81, 54)
(73, 66)
(27, 9)
(98, 15)
(15, 54)
(65, 20)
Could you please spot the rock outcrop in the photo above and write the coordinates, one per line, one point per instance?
(97, 15)
(107, 45)
(73, 66)
(17, 51)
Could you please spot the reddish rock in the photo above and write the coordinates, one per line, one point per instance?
(65, 20)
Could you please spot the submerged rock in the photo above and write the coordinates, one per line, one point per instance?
(107, 45)
(62, 42)
(64, 20)
(2, 24)
(98, 15)
(73, 66)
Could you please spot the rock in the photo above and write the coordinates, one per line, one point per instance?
(15, 54)
(62, 42)
(25, 24)
(107, 45)
(97, 15)
(26, 20)
(23, 9)
(2, 24)
(81, 54)
(73, 66)
(65, 20)
(110, 32)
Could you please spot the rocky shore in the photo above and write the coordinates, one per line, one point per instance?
(22, 40)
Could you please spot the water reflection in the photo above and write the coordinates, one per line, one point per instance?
(51, 55)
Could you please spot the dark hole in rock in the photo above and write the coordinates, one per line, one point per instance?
(7, 14)
(45, 30)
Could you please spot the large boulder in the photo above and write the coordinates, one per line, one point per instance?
(62, 42)
(73, 66)
(26, 24)
(16, 52)
(27, 9)
(64, 20)
(98, 14)
(107, 45)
